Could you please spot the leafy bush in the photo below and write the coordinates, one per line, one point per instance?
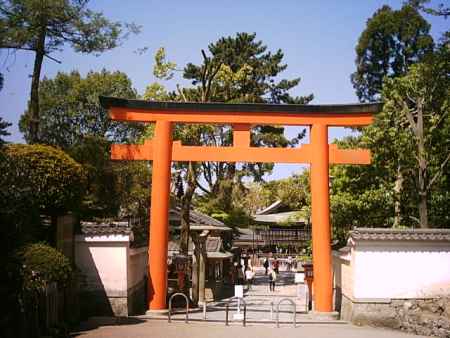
(44, 176)
(42, 265)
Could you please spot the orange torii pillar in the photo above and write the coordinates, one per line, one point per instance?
(321, 229)
(159, 217)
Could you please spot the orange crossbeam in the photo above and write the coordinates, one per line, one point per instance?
(239, 154)
(221, 117)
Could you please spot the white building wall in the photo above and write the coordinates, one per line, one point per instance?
(137, 266)
(102, 261)
(392, 269)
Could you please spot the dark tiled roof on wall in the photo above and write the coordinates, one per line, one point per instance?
(383, 234)
(100, 229)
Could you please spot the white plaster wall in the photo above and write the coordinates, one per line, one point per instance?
(137, 265)
(343, 273)
(401, 270)
(102, 261)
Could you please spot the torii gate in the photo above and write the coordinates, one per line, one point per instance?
(162, 150)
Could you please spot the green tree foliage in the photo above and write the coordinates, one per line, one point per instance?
(44, 176)
(239, 69)
(407, 183)
(441, 9)
(34, 180)
(392, 41)
(113, 189)
(293, 191)
(45, 26)
(71, 118)
(420, 100)
(70, 110)
(251, 68)
(398, 63)
(236, 69)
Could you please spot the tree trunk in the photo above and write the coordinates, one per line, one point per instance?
(422, 179)
(423, 211)
(186, 209)
(398, 188)
(202, 272)
(195, 263)
(34, 96)
(423, 207)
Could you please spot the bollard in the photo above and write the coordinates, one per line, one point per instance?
(170, 306)
(226, 314)
(278, 310)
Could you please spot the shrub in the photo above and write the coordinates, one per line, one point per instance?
(41, 265)
(44, 176)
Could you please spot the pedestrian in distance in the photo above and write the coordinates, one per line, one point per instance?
(240, 275)
(249, 277)
(272, 280)
(289, 263)
(276, 266)
(266, 265)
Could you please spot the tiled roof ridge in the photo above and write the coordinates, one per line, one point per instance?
(400, 234)
(105, 228)
(200, 218)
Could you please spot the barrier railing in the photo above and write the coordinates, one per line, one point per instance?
(278, 310)
(238, 307)
(170, 306)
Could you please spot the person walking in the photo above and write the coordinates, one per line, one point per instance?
(276, 266)
(289, 263)
(272, 280)
(249, 277)
(240, 275)
(266, 265)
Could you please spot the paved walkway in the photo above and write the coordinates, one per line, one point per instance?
(135, 328)
(260, 319)
(261, 303)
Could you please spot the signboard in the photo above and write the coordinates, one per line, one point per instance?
(239, 291)
(299, 277)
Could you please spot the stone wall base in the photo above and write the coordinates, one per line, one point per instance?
(429, 317)
(102, 303)
(137, 298)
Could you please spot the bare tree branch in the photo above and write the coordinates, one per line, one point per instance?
(439, 173)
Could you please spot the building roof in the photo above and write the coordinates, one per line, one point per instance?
(245, 234)
(109, 102)
(281, 217)
(271, 208)
(196, 218)
(105, 228)
(214, 248)
(385, 234)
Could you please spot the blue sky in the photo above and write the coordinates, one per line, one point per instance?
(318, 39)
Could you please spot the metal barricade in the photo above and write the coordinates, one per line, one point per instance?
(170, 306)
(278, 310)
(238, 306)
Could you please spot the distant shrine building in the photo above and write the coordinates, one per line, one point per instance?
(275, 229)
